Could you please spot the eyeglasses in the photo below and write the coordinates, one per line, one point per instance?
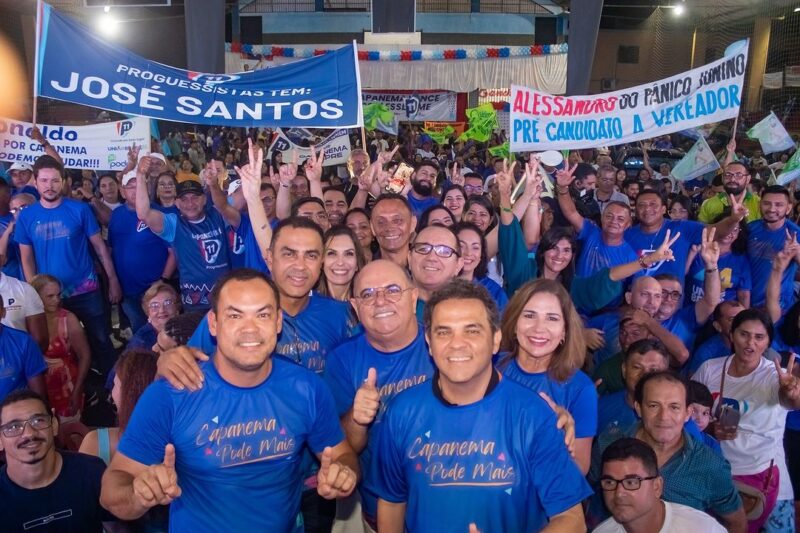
(736, 175)
(671, 295)
(15, 428)
(391, 293)
(155, 306)
(16, 210)
(441, 250)
(609, 484)
(473, 188)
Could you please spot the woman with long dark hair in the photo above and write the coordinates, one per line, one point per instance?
(555, 256)
(473, 252)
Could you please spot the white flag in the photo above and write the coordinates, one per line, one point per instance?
(698, 160)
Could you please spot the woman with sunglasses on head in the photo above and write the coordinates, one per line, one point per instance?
(473, 252)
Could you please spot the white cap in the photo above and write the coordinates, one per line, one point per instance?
(128, 177)
(234, 186)
(551, 158)
(154, 155)
(21, 166)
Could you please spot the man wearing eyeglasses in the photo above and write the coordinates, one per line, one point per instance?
(128, 237)
(735, 179)
(632, 489)
(42, 489)
(367, 371)
(435, 259)
(312, 208)
(693, 473)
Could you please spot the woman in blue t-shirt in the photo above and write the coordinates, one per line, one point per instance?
(473, 252)
(545, 349)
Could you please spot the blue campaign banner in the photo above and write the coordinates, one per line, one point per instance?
(76, 66)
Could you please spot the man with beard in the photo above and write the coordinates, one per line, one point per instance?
(735, 180)
(423, 183)
(766, 237)
(335, 204)
(230, 455)
(54, 235)
(43, 489)
(393, 223)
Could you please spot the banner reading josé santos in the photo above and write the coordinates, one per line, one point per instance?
(96, 147)
(75, 65)
(540, 121)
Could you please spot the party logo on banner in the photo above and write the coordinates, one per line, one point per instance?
(96, 147)
(415, 105)
(75, 65)
(540, 121)
(336, 146)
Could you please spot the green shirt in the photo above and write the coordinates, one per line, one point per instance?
(714, 206)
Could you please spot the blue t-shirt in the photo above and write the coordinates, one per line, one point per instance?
(253, 258)
(29, 189)
(13, 267)
(499, 463)
(419, 206)
(609, 324)
(238, 450)
(683, 324)
(145, 337)
(645, 243)
(236, 245)
(306, 338)
(139, 254)
(20, 360)
(712, 348)
(346, 370)
(496, 291)
(59, 237)
(734, 275)
(596, 255)
(762, 246)
(203, 255)
(577, 394)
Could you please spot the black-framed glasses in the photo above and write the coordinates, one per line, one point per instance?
(15, 428)
(442, 250)
(609, 484)
(671, 295)
(473, 188)
(736, 175)
(391, 293)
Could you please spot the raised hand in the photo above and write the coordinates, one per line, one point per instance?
(368, 176)
(250, 174)
(738, 208)
(709, 248)
(732, 145)
(455, 176)
(143, 166)
(158, 484)
(473, 529)
(664, 251)
(566, 176)
(385, 157)
(37, 136)
(788, 382)
(133, 156)
(594, 338)
(210, 175)
(564, 421)
(334, 480)
(314, 165)
(367, 400)
(274, 179)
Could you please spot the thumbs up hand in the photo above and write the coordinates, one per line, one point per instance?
(334, 480)
(474, 529)
(367, 400)
(158, 484)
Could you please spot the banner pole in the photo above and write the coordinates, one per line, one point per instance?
(363, 139)
(38, 23)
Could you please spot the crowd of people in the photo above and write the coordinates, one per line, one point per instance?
(428, 338)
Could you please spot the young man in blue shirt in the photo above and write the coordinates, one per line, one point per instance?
(53, 235)
(469, 448)
(423, 183)
(128, 237)
(228, 457)
(198, 236)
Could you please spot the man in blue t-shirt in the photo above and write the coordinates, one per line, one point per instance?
(128, 237)
(367, 371)
(652, 226)
(228, 457)
(766, 238)
(54, 236)
(21, 361)
(601, 248)
(423, 184)
(469, 449)
(198, 236)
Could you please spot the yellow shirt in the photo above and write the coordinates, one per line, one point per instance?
(182, 176)
(714, 206)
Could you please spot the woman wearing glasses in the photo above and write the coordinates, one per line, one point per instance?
(166, 192)
(160, 303)
(68, 356)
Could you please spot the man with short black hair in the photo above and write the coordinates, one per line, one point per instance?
(313, 209)
(43, 489)
(632, 489)
(473, 184)
(423, 185)
(513, 472)
(392, 222)
(335, 204)
(735, 180)
(434, 260)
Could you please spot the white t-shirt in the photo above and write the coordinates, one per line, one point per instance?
(20, 300)
(759, 439)
(677, 519)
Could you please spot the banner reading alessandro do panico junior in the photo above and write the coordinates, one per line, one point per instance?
(540, 121)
